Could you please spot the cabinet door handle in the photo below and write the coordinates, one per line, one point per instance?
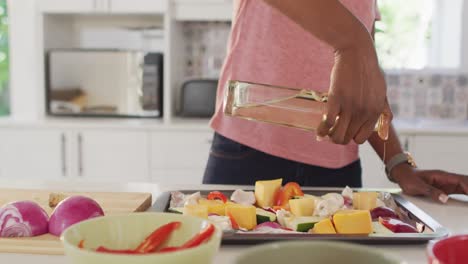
(95, 6)
(63, 148)
(80, 155)
(109, 5)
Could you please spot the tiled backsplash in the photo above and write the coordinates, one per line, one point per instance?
(428, 95)
(413, 95)
(205, 48)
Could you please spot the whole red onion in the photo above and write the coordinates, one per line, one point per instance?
(72, 210)
(23, 219)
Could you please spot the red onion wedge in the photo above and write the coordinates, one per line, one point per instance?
(23, 219)
(72, 210)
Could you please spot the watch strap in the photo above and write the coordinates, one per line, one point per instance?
(395, 161)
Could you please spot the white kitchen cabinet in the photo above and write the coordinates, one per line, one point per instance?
(138, 6)
(102, 6)
(72, 6)
(179, 157)
(112, 155)
(441, 152)
(39, 154)
(203, 10)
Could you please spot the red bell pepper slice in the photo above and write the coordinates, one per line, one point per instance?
(168, 249)
(200, 238)
(289, 190)
(233, 221)
(81, 244)
(397, 226)
(116, 251)
(217, 195)
(195, 241)
(157, 238)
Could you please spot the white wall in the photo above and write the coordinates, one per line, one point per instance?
(26, 99)
(464, 61)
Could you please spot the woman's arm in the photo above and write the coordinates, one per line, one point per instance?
(434, 183)
(355, 76)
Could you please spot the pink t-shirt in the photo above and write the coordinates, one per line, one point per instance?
(267, 47)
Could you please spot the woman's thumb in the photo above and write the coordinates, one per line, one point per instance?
(435, 193)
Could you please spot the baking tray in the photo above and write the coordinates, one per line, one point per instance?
(433, 230)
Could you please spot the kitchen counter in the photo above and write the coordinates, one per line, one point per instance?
(452, 215)
(406, 127)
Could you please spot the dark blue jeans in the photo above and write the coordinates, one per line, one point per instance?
(233, 163)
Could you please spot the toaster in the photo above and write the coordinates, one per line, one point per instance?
(198, 98)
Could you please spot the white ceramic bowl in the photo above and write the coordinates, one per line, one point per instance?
(307, 252)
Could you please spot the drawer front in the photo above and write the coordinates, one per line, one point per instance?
(180, 150)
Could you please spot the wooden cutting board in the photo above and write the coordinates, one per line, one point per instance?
(111, 203)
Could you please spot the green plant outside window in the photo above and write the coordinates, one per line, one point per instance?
(4, 60)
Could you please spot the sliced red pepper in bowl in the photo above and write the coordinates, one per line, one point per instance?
(289, 190)
(195, 241)
(217, 196)
(116, 251)
(157, 238)
(81, 244)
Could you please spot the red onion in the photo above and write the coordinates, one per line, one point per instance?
(72, 210)
(273, 225)
(23, 219)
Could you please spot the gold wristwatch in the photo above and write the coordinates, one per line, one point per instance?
(397, 160)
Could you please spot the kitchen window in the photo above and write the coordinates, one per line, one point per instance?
(4, 61)
(420, 34)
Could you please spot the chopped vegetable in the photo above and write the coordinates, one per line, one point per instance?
(265, 216)
(365, 200)
(177, 200)
(329, 204)
(217, 195)
(266, 191)
(325, 226)
(242, 197)
(214, 206)
(282, 215)
(302, 223)
(245, 215)
(157, 238)
(233, 221)
(397, 226)
(273, 225)
(353, 222)
(290, 190)
(192, 199)
(383, 211)
(302, 207)
(81, 244)
(380, 229)
(72, 210)
(23, 219)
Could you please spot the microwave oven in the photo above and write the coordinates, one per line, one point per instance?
(104, 83)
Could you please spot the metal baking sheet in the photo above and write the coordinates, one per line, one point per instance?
(433, 230)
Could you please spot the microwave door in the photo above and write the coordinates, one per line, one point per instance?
(103, 82)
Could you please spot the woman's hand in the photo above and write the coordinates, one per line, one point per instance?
(357, 96)
(434, 183)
